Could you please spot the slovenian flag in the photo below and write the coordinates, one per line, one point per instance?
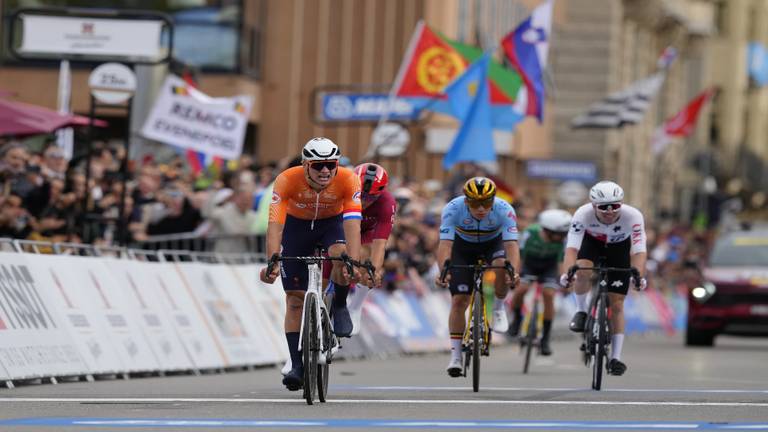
(527, 47)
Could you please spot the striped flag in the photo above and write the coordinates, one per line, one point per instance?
(629, 105)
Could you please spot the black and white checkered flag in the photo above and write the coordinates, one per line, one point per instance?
(627, 106)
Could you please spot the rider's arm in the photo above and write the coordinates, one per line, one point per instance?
(638, 250)
(277, 214)
(352, 236)
(352, 214)
(638, 261)
(570, 258)
(378, 247)
(513, 253)
(443, 252)
(575, 236)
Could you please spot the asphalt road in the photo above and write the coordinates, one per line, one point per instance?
(667, 387)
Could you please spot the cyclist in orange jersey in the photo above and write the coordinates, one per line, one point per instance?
(316, 203)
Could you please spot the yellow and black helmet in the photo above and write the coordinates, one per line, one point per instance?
(479, 189)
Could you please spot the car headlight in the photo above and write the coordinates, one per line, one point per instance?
(704, 292)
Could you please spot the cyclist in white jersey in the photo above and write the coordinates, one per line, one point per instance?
(607, 228)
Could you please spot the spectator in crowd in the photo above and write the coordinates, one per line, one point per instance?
(233, 220)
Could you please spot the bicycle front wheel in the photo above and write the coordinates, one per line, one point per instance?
(530, 336)
(599, 335)
(309, 348)
(323, 370)
(477, 338)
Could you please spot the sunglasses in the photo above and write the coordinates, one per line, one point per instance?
(369, 197)
(318, 166)
(609, 207)
(488, 203)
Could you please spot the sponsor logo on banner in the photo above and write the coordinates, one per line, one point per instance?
(364, 107)
(21, 300)
(187, 118)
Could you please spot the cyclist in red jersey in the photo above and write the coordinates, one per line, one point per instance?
(379, 208)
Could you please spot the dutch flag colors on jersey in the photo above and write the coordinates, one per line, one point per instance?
(527, 47)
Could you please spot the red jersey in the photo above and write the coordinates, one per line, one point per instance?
(378, 218)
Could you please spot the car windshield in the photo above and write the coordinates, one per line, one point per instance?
(743, 249)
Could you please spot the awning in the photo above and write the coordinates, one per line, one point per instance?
(18, 118)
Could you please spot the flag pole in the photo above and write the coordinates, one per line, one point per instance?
(372, 150)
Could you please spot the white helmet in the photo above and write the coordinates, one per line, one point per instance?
(320, 149)
(555, 220)
(606, 192)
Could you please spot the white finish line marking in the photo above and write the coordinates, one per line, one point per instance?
(387, 401)
(546, 389)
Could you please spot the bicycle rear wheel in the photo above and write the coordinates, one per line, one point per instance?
(599, 334)
(309, 348)
(477, 338)
(530, 336)
(323, 370)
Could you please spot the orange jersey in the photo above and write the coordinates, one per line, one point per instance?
(292, 195)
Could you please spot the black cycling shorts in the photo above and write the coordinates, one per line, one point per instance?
(616, 255)
(467, 253)
(545, 272)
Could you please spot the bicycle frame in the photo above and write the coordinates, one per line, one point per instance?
(477, 290)
(535, 318)
(596, 345)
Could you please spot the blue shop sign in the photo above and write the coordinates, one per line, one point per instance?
(561, 170)
(365, 107)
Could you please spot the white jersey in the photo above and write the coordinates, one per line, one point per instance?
(629, 225)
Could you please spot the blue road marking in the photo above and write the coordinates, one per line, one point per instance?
(377, 423)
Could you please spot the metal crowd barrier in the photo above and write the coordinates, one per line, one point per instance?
(226, 244)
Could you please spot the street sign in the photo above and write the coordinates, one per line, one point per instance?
(112, 83)
(390, 139)
(363, 107)
(561, 170)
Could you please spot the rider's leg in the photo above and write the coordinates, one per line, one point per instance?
(457, 323)
(517, 307)
(342, 322)
(617, 324)
(294, 305)
(583, 284)
(501, 288)
(548, 295)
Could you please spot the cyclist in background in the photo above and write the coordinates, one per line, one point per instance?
(316, 203)
(476, 226)
(541, 252)
(616, 231)
(379, 209)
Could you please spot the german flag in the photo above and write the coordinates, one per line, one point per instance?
(503, 190)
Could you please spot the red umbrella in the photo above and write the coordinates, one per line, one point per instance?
(18, 118)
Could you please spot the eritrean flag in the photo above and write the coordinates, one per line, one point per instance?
(433, 61)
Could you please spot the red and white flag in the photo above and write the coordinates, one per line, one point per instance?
(681, 124)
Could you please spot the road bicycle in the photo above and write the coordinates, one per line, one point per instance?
(597, 330)
(476, 343)
(317, 342)
(533, 323)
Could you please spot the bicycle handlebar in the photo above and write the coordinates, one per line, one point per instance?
(507, 266)
(631, 270)
(349, 263)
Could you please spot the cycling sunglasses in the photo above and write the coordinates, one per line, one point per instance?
(487, 203)
(555, 234)
(318, 166)
(609, 207)
(368, 197)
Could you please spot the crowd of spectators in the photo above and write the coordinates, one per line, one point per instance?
(44, 197)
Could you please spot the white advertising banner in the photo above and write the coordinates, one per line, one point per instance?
(268, 304)
(77, 304)
(145, 300)
(195, 332)
(185, 117)
(33, 338)
(122, 321)
(214, 289)
(98, 37)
